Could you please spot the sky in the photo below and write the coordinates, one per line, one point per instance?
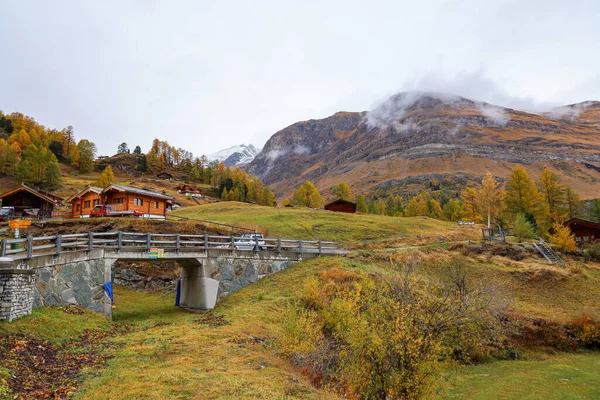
(206, 75)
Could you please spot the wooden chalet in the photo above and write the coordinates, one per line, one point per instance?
(165, 175)
(120, 198)
(584, 231)
(84, 201)
(341, 206)
(30, 202)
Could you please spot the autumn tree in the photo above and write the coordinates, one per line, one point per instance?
(469, 200)
(563, 238)
(573, 202)
(341, 191)
(553, 194)
(453, 210)
(522, 196)
(268, 197)
(490, 198)
(361, 204)
(594, 210)
(307, 195)
(107, 177)
(419, 205)
(24, 173)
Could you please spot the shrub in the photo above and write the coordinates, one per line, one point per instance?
(338, 275)
(523, 228)
(592, 252)
(586, 330)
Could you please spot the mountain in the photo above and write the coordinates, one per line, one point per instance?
(236, 155)
(415, 136)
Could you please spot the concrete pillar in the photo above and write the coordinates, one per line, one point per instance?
(16, 290)
(197, 291)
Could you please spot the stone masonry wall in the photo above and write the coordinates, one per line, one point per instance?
(234, 274)
(16, 289)
(79, 283)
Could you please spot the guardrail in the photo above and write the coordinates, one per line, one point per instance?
(128, 241)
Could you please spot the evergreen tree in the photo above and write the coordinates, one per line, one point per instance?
(379, 207)
(361, 204)
(52, 176)
(137, 150)
(86, 152)
(594, 210)
(123, 148)
(453, 210)
(24, 173)
(307, 195)
(391, 207)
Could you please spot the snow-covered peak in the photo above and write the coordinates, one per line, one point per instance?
(236, 155)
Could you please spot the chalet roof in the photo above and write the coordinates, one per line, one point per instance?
(579, 221)
(84, 191)
(143, 192)
(23, 187)
(164, 173)
(340, 201)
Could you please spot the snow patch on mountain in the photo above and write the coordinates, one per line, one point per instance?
(235, 155)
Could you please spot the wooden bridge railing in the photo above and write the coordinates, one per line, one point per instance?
(127, 241)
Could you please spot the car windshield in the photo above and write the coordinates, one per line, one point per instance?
(4, 211)
(97, 208)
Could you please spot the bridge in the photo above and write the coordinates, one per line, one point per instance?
(75, 269)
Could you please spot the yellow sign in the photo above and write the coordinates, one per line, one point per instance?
(19, 223)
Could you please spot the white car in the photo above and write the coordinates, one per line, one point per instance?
(248, 240)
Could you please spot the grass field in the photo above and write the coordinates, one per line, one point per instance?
(171, 353)
(309, 224)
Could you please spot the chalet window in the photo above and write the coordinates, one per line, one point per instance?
(156, 204)
(138, 202)
(96, 202)
(119, 200)
(86, 204)
(77, 207)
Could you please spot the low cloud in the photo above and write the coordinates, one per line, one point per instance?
(497, 114)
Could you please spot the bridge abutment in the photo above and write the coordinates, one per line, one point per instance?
(16, 289)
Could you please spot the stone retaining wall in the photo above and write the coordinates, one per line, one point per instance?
(16, 289)
(79, 283)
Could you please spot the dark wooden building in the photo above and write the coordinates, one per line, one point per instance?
(341, 206)
(30, 202)
(165, 175)
(584, 231)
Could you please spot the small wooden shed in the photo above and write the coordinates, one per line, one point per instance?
(341, 206)
(584, 231)
(165, 175)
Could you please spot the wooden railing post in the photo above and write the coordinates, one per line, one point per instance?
(320, 247)
(91, 241)
(4, 248)
(278, 246)
(149, 242)
(232, 243)
(300, 247)
(119, 241)
(30, 247)
(58, 244)
(178, 242)
(256, 248)
(205, 243)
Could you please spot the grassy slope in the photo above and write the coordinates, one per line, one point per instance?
(302, 223)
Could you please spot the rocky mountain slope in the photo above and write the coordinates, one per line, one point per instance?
(236, 155)
(414, 136)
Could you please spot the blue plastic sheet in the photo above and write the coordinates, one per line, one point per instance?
(178, 293)
(109, 291)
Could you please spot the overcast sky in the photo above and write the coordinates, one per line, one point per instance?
(205, 75)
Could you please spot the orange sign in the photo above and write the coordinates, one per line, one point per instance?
(19, 223)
